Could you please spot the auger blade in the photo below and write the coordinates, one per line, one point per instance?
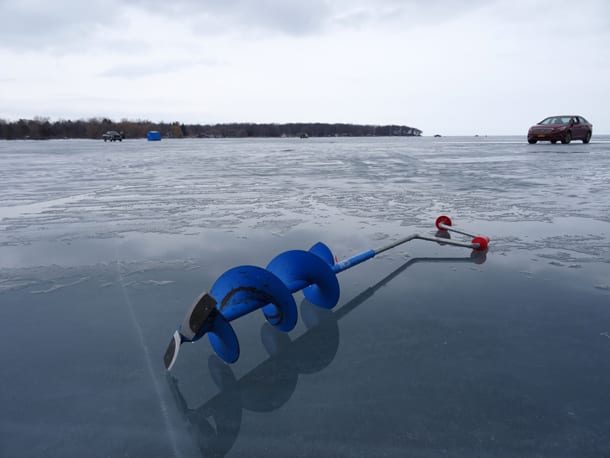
(321, 250)
(171, 353)
(197, 315)
(297, 266)
(197, 321)
(246, 288)
(223, 340)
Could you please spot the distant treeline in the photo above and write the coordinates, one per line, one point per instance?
(43, 129)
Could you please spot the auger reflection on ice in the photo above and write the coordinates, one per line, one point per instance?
(243, 289)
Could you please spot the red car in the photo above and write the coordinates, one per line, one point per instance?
(561, 128)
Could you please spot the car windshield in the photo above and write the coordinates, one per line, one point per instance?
(556, 120)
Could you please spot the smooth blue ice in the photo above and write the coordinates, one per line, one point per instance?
(103, 246)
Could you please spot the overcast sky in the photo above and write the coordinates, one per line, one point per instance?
(449, 67)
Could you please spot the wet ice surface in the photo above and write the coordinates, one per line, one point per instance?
(103, 247)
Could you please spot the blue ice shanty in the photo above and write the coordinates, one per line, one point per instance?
(153, 135)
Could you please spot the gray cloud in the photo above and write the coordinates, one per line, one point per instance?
(145, 69)
(72, 24)
(47, 25)
(404, 13)
(68, 24)
(278, 16)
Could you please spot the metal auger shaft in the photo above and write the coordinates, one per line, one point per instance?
(366, 255)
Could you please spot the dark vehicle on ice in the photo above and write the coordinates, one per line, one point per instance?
(113, 136)
(561, 128)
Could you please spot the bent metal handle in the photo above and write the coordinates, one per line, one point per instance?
(244, 289)
(443, 224)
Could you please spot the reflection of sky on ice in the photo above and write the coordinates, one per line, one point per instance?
(102, 248)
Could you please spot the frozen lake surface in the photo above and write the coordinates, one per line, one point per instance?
(103, 246)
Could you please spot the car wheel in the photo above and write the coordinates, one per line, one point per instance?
(587, 138)
(553, 141)
(531, 141)
(567, 139)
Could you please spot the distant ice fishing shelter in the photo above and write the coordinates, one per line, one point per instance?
(153, 136)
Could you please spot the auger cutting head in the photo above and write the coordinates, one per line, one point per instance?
(204, 318)
(198, 316)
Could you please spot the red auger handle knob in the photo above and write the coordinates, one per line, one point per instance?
(443, 219)
(482, 241)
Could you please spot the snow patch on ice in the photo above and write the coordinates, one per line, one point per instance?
(157, 282)
(59, 286)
